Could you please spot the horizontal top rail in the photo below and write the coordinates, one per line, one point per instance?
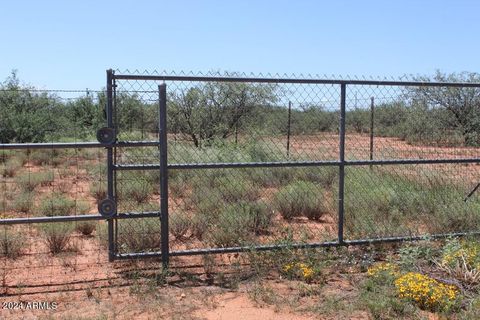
(74, 145)
(298, 81)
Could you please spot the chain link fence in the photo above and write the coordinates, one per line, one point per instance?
(265, 162)
(252, 163)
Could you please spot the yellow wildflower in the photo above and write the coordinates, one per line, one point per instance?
(427, 292)
(382, 268)
(299, 270)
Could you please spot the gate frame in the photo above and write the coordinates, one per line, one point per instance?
(341, 163)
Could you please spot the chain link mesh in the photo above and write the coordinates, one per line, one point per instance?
(216, 121)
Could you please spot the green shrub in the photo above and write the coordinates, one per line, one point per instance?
(263, 152)
(139, 235)
(45, 157)
(21, 157)
(85, 227)
(199, 225)
(81, 207)
(24, 202)
(102, 232)
(177, 183)
(324, 176)
(154, 176)
(57, 236)
(98, 189)
(90, 154)
(138, 190)
(234, 189)
(11, 243)
(301, 198)
(270, 177)
(256, 216)
(3, 205)
(380, 203)
(238, 222)
(30, 181)
(179, 225)
(97, 171)
(57, 205)
(208, 178)
(208, 202)
(11, 167)
(227, 232)
(370, 203)
(5, 155)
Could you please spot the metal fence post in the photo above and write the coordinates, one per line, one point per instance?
(110, 166)
(341, 176)
(372, 109)
(162, 136)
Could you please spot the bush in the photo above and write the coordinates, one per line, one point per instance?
(300, 198)
(102, 232)
(426, 292)
(179, 225)
(254, 217)
(324, 176)
(57, 205)
(261, 152)
(199, 225)
(24, 202)
(238, 222)
(27, 116)
(300, 270)
(139, 235)
(57, 236)
(90, 154)
(82, 207)
(270, 177)
(30, 181)
(227, 232)
(85, 227)
(10, 167)
(209, 202)
(384, 203)
(138, 190)
(5, 155)
(98, 190)
(45, 157)
(461, 260)
(98, 171)
(177, 184)
(234, 189)
(11, 243)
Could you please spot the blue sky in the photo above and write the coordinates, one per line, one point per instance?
(70, 44)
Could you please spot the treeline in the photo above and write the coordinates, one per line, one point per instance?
(30, 115)
(209, 112)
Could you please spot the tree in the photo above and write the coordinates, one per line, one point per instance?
(461, 103)
(85, 115)
(216, 110)
(27, 116)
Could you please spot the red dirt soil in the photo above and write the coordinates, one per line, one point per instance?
(73, 276)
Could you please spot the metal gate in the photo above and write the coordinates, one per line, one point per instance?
(346, 161)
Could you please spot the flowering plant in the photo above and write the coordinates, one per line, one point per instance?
(427, 292)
